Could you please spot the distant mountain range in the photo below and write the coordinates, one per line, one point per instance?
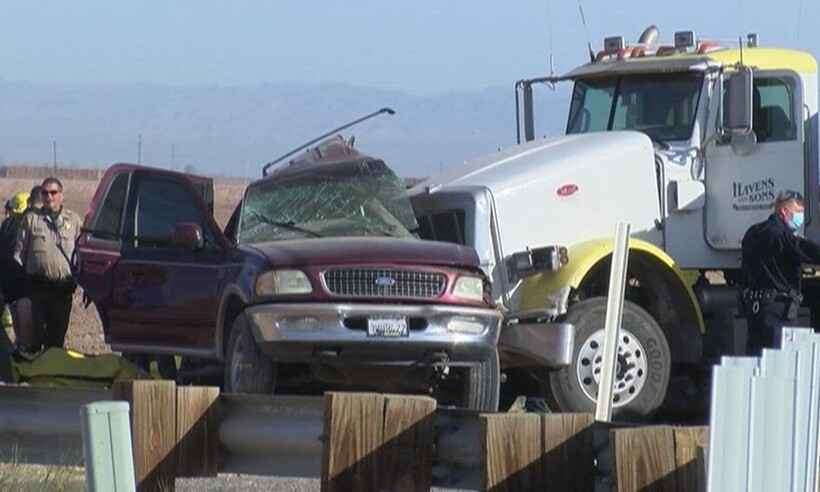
(233, 130)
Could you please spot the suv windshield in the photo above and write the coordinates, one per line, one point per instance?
(361, 198)
(661, 105)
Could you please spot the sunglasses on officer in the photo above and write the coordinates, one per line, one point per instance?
(50, 192)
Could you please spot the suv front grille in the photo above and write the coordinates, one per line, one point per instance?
(384, 282)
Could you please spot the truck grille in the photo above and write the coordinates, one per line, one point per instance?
(381, 282)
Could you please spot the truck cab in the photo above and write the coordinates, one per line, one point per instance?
(688, 141)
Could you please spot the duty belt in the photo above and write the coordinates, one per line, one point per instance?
(753, 298)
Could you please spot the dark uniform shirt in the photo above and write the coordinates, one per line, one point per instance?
(773, 255)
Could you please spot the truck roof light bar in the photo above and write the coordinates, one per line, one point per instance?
(684, 40)
(614, 44)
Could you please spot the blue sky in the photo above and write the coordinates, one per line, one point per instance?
(421, 47)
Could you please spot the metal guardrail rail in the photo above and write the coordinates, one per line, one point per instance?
(764, 418)
(259, 434)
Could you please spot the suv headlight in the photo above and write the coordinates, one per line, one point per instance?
(470, 288)
(282, 283)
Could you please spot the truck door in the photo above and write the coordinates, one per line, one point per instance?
(99, 245)
(165, 296)
(740, 189)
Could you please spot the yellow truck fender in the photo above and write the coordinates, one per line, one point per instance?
(584, 256)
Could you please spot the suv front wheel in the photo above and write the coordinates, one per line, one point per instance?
(482, 385)
(247, 369)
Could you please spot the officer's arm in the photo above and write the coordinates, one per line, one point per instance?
(22, 243)
(806, 250)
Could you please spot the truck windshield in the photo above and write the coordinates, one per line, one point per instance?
(365, 199)
(661, 105)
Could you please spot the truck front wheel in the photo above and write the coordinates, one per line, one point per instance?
(642, 370)
(247, 369)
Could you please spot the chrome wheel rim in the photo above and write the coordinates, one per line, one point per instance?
(630, 369)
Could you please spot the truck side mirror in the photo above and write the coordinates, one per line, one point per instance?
(532, 261)
(188, 235)
(738, 103)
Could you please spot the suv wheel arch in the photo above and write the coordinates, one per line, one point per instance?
(232, 305)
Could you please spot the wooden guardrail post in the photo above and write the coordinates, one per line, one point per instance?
(659, 458)
(377, 442)
(153, 431)
(537, 452)
(197, 438)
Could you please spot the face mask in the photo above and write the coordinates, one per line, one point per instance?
(796, 221)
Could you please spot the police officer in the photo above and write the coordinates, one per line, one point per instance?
(44, 247)
(772, 259)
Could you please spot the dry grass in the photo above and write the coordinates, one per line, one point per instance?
(85, 332)
(17, 476)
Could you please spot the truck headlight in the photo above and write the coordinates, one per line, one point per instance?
(470, 288)
(282, 283)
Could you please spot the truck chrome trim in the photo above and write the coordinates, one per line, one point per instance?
(547, 344)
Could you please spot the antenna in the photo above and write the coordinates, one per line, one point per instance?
(331, 132)
(740, 43)
(549, 33)
(586, 31)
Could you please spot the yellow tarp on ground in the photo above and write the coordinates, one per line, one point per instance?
(58, 367)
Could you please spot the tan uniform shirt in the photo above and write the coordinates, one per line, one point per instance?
(37, 242)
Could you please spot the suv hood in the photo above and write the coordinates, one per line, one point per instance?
(366, 250)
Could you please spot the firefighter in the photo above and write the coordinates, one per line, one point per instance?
(45, 247)
(773, 254)
(12, 278)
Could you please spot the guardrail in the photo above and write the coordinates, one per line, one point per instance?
(765, 415)
(350, 438)
(257, 434)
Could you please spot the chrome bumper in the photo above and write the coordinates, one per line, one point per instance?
(303, 332)
(537, 344)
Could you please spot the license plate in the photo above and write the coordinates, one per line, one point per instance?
(387, 327)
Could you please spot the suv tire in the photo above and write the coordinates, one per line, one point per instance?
(247, 369)
(643, 371)
(482, 385)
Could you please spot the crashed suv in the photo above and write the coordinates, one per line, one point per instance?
(318, 281)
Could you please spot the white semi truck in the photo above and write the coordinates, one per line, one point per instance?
(689, 142)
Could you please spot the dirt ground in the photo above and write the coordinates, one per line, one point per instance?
(85, 332)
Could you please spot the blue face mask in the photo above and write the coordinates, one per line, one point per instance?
(796, 221)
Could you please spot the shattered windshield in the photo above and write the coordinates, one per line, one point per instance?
(663, 106)
(362, 198)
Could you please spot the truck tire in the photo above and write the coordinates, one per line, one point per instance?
(247, 369)
(642, 372)
(482, 385)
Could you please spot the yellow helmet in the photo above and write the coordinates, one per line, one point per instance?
(19, 202)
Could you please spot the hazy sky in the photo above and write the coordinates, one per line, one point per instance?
(423, 46)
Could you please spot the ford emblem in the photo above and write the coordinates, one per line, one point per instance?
(385, 281)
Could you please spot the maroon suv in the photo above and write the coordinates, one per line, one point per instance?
(318, 281)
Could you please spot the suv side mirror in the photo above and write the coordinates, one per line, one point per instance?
(737, 105)
(188, 235)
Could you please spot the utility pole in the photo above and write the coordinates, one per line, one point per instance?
(54, 154)
(173, 156)
(139, 148)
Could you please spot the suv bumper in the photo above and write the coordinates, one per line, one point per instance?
(303, 332)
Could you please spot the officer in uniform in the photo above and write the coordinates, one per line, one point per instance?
(773, 254)
(45, 248)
